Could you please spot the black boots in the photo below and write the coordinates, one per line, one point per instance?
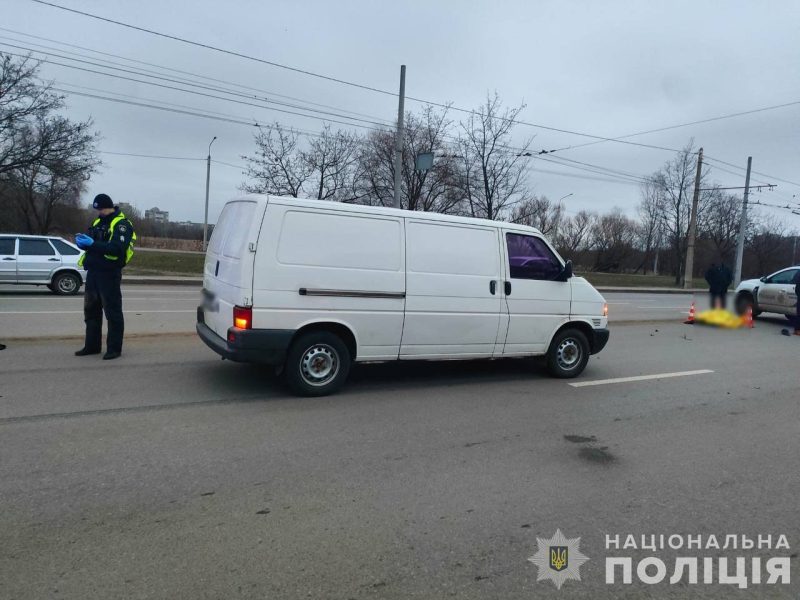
(85, 352)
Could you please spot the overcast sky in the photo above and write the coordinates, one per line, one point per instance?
(604, 68)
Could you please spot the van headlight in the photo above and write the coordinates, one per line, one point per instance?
(605, 309)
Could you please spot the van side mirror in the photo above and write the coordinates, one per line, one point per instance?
(763, 279)
(566, 271)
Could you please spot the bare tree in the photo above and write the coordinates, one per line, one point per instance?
(676, 181)
(331, 160)
(433, 190)
(769, 236)
(42, 187)
(651, 221)
(493, 173)
(25, 103)
(613, 237)
(45, 159)
(574, 233)
(278, 166)
(539, 212)
(721, 225)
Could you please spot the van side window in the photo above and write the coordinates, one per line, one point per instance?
(530, 258)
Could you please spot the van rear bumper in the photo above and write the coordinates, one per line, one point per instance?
(265, 346)
(598, 340)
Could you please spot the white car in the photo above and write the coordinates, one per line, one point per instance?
(41, 260)
(772, 293)
(311, 286)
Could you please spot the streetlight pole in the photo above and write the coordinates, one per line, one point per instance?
(398, 140)
(208, 181)
(737, 269)
(562, 197)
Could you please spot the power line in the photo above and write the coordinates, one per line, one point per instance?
(679, 125)
(596, 169)
(338, 80)
(219, 162)
(758, 172)
(183, 72)
(197, 85)
(599, 139)
(239, 121)
(149, 155)
(217, 49)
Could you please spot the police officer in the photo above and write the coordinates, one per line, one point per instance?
(108, 247)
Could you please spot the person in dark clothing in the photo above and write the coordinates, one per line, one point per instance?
(719, 278)
(108, 247)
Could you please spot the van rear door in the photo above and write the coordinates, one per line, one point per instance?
(228, 270)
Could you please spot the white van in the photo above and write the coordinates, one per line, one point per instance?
(312, 286)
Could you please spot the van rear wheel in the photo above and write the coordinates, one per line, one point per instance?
(568, 354)
(317, 364)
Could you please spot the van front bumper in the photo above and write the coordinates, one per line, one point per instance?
(265, 346)
(598, 340)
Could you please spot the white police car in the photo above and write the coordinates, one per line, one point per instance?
(772, 293)
(41, 260)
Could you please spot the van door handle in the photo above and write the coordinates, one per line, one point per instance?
(507, 288)
(493, 287)
(9, 258)
(53, 259)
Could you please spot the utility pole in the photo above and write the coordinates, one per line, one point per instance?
(398, 142)
(208, 181)
(687, 275)
(737, 273)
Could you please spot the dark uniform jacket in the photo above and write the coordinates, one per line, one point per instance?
(108, 252)
(796, 282)
(719, 278)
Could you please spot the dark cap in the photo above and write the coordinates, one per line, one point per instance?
(102, 201)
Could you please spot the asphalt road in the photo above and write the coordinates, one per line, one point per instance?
(172, 474)
(35, 312)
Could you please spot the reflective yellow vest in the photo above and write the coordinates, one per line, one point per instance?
(128, 252)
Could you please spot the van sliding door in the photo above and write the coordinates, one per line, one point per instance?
(453, 296)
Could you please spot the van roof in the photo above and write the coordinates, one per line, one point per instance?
(383, 210)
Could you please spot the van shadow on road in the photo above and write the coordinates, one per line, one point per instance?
(389, 376)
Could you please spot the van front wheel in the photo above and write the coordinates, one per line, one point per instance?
(317, 364)
(568, 354)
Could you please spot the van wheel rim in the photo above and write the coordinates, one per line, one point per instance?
(319, 365)
(66, 284)
(568, 354)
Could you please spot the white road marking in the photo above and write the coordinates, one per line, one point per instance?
(80, 312)
(641, 378)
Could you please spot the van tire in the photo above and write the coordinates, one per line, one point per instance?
(568, 354)
(317, 364)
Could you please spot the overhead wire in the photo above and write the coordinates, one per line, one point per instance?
(618, 139)
(200, 86)
(336, 79)
(181, 71)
